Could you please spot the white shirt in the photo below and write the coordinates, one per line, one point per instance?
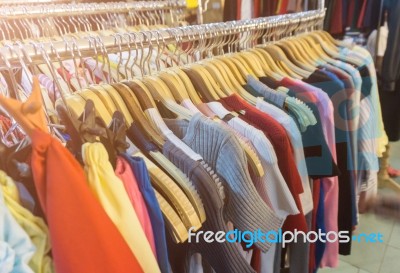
(295, 139)
(371, 42)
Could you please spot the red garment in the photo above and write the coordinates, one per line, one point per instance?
(83, 238)
(239, 10)
(284, 151)
(350, 13)
(336, 26)
(256, 260)
(316, 191)
(362, 14)
(5, 126)
(257, 8)
(283, 7)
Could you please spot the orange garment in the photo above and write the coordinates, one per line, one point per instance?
(83, 238)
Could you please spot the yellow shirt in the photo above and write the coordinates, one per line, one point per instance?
(34, 226)
(110, 191)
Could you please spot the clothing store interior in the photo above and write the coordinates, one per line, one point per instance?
(200, 136)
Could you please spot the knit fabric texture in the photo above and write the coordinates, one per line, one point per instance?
(222, 151)
(223, 257)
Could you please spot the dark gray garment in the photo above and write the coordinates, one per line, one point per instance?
(222, 257)
(299, 254)
(391, 60)
(222, 151)
(278, 258)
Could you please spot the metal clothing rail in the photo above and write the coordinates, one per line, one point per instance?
(58, 10)
(278, 25)
(32, 2)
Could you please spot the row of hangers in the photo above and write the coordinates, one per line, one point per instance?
(119, 105)
(34, 22)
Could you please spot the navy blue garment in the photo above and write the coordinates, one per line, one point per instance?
(353, 164)
(157, 221)
(346, 152)
(371, 17)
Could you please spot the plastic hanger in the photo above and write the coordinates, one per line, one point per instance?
(295, 56)
(178, 176)
(333, 50)
(175, 85)
(105, 98)
(119, 102)
(137, 114)
(159, 179)
(161, 92)
(279, 56)
(177, 197)
(254, 161)
(250, 63)
(102, 111)
(201, 81)
(271, 68)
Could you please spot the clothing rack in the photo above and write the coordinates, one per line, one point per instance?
(262, 128)
(23, 22)
(58, 10)
(276, 26)
(32, 2)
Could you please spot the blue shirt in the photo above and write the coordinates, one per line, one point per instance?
(157, 221)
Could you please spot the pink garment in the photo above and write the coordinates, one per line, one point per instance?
(52, 89)
(330, 184)
(124, 172)
(75, 70)
(203, 107)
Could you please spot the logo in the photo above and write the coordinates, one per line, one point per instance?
(250, 238)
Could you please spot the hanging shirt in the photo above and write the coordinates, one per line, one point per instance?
(223, 257)
(295, 139)
(345, 146)
(319, 159)
(157, 221)
(330, 185)
(363, 55)
(62, 187)
(111, 193)
(296, 108)
(34, 226)
(124, 172)
(277, 135)
(272, 186)
(245, 208)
